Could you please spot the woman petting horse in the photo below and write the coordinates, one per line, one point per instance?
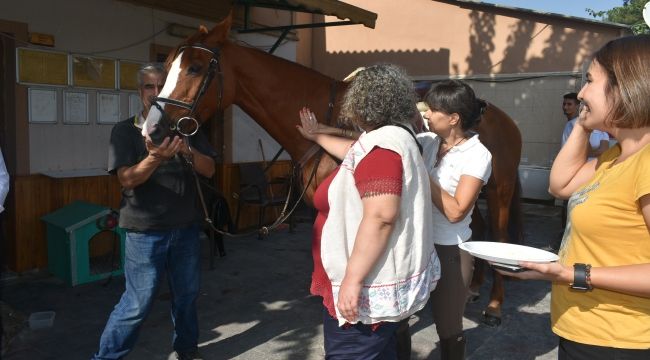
(600, 303)
(374, 262)
(459, 166)
(208, 73)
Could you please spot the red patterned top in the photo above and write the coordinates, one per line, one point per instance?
(379, 173)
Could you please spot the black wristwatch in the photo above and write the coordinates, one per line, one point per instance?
(581, 277)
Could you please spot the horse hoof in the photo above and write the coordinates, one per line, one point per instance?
(491, 320)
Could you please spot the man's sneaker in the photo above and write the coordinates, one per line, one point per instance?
(189, 355)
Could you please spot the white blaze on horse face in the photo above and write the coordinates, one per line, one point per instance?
(154, 116)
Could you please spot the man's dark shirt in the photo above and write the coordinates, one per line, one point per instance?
(168, 199)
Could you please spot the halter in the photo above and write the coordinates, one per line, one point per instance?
(214, 68)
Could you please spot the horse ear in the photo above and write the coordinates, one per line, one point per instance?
(221, 30)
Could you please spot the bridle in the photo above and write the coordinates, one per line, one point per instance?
(214, 69)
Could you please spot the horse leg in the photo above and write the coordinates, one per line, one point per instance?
(499, 199)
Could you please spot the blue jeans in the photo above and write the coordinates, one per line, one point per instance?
(148, 256)
(359, 342)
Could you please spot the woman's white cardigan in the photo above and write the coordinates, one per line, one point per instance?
(402, 279)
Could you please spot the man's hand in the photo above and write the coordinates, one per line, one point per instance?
(167, 149)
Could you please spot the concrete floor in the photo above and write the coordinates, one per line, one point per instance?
(255, 305)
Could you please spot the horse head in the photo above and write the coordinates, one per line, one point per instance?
(194, 81)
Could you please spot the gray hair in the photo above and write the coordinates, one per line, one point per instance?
(150, 68)
(379, 95)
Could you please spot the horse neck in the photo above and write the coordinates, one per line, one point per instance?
(272, 90)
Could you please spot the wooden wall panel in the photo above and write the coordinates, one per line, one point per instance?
(230, 181)
(33, 199)
(38, 195)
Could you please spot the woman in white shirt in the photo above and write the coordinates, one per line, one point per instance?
(459, 165)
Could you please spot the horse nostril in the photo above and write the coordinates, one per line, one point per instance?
(157, 135)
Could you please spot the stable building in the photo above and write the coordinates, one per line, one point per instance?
(69, 75)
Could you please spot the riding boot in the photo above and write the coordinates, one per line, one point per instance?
(453, 348)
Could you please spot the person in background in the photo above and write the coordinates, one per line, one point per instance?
(598, 140)
(459, 166)
(374, 261)
(159, 210)
(600, 302)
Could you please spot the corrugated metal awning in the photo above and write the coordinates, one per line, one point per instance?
(339, 9)
(216, 10)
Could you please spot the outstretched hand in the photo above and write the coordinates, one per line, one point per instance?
(309, 126)
(167, 149)
(553, 271)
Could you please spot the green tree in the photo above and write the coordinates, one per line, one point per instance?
(630, 13)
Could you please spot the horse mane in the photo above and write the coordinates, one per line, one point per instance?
(279, 61)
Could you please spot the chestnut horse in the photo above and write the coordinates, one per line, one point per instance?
(208, 72)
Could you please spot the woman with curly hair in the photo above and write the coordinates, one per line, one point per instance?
(374, 262)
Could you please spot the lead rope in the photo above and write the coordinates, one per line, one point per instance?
(264, 230)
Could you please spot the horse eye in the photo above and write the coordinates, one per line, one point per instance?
(194, 69)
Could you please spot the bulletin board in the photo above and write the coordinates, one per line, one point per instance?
(41, 67)
(93, 72)
(128, 75)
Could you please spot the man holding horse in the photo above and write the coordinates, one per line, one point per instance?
(160, 213)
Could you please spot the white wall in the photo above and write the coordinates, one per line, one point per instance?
(94, 26)
(535, 104)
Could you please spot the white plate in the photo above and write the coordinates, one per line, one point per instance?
(505, 253)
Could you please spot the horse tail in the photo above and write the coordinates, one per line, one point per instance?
(516, 218)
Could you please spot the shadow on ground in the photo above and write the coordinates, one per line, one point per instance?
(255, 305)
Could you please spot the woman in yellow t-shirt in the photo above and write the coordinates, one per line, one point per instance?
(600, 304)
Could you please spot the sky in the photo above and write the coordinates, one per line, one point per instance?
(564, 7)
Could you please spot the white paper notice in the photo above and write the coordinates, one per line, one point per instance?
(76, 108)
(108, 108)
(42, 106)
(135, 105)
